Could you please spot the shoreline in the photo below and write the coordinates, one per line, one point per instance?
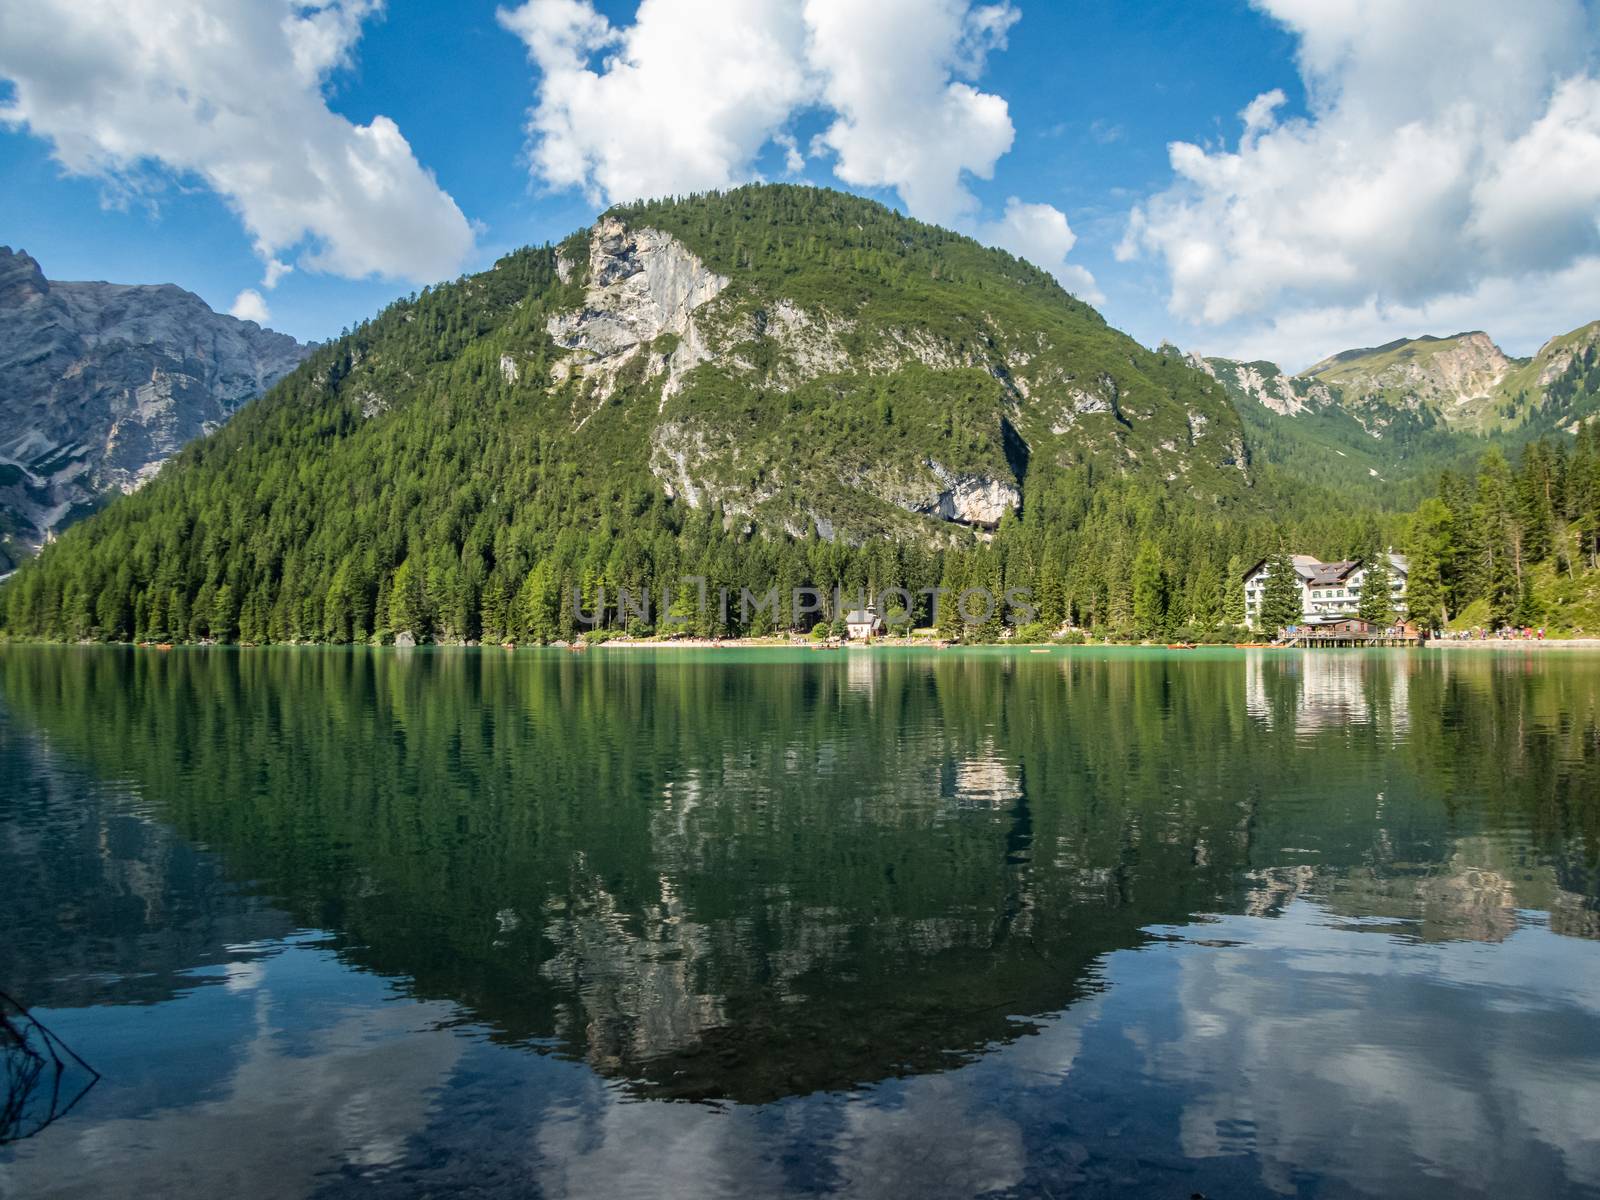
(1584, 643)
(1043, 647)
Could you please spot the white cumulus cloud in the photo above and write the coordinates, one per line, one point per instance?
(691, 94)
(1040, 234)
(249, 305)
(1451, 151)
(275, 270)
(896, 74)
(230, 92)
(683, 99)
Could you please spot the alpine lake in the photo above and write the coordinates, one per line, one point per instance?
(875, 923)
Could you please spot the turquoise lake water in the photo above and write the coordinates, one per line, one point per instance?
(916, 923)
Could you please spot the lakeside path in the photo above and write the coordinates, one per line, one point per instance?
(1515, 644)
(1042, 647)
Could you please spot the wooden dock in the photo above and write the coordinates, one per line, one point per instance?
(1306, 641)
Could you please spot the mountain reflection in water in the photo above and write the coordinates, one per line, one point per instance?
(927, 923)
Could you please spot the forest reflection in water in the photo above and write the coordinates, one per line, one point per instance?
(955, 913)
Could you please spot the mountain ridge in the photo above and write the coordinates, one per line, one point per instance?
(1387, 347)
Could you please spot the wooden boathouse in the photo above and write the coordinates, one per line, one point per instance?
(1353, 632)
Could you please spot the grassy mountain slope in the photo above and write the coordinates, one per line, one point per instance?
(1421, 382)
(1302, 436)
(1560, 384)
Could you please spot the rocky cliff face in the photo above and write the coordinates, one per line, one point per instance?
(970, 499)
(643, 290)
(1559, 355)
(100, 383)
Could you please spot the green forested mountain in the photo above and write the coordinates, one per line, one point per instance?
(751, 387)
(772, 387)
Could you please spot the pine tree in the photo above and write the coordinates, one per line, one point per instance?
(1465, 576)
(1529, 612)
(684, 610)
(338, 608)
(1583, 494)
(1281, 599)
(1115, 581)
(1430, 550)
(407, 608)
(1499, 537)
(495, 610)
(224, 617)
(1375, 605)
(1233, 606)
(953, 582)
(988, 598)
(1535, 500)
(535, 609)
(1205, 599)
(1149, 592)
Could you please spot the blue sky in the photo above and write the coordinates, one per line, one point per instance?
(1373, 193)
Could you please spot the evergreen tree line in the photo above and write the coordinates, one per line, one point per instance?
(448, 558)
(1477, 547)
(1481, 545)
(1117, 558)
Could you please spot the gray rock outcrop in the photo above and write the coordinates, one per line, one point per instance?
(643, 289)
(1266, 384)
(969, 499)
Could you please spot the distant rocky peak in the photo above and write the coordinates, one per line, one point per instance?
(1453, 370)
(21, 279)
(1474, 363)
(1460, 361)
(1555, 358)
(100, 383)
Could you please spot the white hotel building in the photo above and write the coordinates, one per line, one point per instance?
(1328, 591)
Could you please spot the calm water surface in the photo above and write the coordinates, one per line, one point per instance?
(888, 923)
